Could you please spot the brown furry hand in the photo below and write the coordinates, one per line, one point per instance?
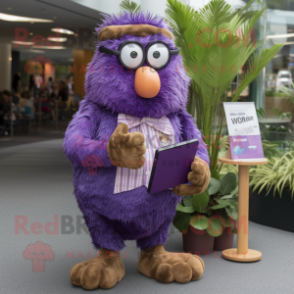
(199, 177)
(126, 149)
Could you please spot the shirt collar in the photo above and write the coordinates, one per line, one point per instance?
(160, 124)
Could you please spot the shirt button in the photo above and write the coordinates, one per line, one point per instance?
(147, 172)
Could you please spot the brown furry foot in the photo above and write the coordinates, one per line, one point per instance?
(103, 271)
(166, 267)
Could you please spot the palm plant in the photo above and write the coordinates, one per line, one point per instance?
(215, 43)
(130, 6)
(278, 174)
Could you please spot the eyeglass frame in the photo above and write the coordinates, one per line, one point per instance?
(171, 52)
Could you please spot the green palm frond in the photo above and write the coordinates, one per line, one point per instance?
(277, 174)
(257, 63)
(130, 6)
(215, 43)
(242, 11)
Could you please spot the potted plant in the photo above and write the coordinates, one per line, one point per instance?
(215, 42)
(207, 221)
(276, 177)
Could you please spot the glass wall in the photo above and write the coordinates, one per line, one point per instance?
(278, 74)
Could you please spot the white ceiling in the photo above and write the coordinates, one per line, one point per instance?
(65, 14)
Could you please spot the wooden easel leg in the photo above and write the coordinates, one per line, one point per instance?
(242, 253)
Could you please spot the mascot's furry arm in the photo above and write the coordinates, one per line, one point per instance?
(83, 138)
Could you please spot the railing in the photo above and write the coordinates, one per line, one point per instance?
(55, 110)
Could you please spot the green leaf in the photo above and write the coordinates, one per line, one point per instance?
(214, 228)
(257, 63)
(185, 209)
(214, 186)
(187, 200)
(221, 201)
(130, 6)
(181, 221)
(233, 204)
(219, 206)
(233, 213)
(199, 222)
(200, 201)
(228, 183)
(227, 197)
(233, 194)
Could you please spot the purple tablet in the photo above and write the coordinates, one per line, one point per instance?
(171, 165)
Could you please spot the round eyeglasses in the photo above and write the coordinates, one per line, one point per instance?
(132, 54)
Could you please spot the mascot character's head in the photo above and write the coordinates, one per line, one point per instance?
(136, 69)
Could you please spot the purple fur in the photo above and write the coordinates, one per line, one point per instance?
(136, 214)
(115, 84)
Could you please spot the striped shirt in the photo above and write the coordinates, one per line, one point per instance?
(157, 133)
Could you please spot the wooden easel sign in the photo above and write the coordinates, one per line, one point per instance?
(245, 150)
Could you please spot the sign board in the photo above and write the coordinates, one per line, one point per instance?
(243, 128)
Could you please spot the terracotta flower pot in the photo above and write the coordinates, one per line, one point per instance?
(224, 241)
(198, 242)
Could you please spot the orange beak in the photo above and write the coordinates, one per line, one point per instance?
(147, 82)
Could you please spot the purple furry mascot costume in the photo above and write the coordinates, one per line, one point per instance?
(135, 85)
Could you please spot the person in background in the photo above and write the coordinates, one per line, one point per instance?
(27, 103)
(50, 86)
(45, 101)
(31, 84)
(25, 111)
(53, 102)
(71, 98)
(69, 82)
(38, 83)
(16, 83)
(16, 98)
(54, 98)
(63, 98)
(55, 93)
(63, 91)
(5, 110)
